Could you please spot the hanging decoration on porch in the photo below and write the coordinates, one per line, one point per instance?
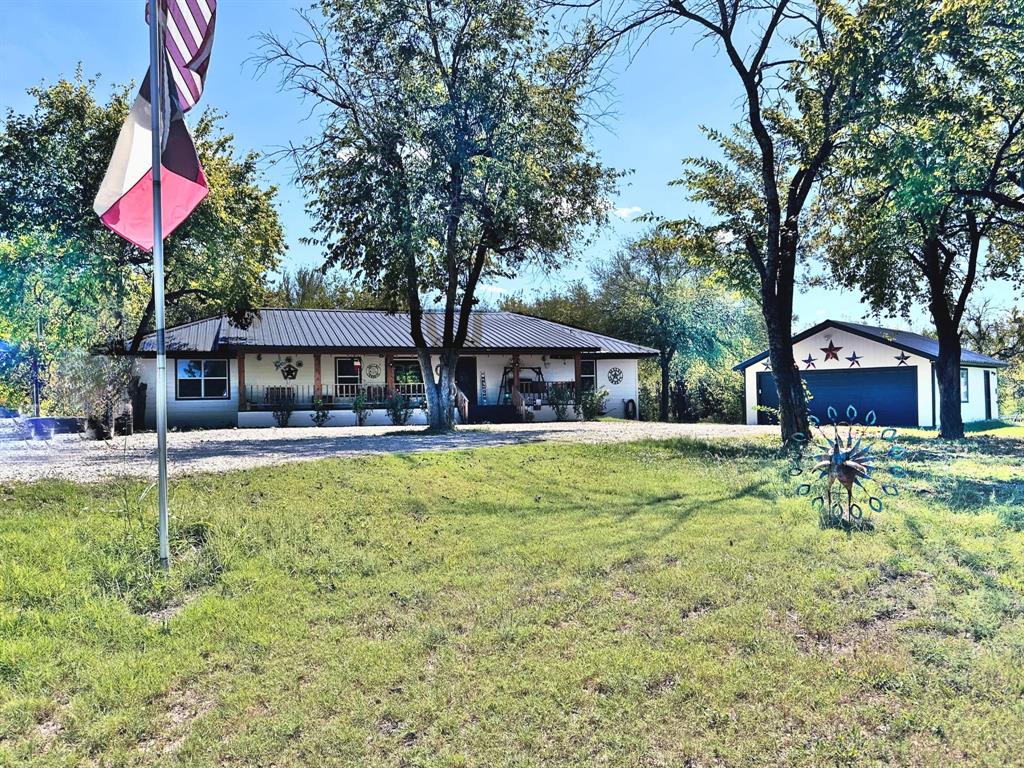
(289, 369)
(843, 453)
(615, 375)
(483, 388)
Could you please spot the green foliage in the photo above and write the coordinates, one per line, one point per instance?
(321, 413)
(674, 592)
(399, 408)
(307, 288)
(591, 404)
(714, 391)
(560, 399)
(361, 408)
(452, 151)
(282, 413)
(90, 286)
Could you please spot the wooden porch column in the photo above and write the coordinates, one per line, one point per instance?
(515, 370)
(243, 404)
(317, 391)
(389, 373)
(578, 360)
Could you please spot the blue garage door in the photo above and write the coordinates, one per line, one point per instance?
(890, 392)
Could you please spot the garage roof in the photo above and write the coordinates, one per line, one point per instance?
(914, 343)
(374, 330)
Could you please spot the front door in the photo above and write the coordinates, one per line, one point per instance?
(465, 378)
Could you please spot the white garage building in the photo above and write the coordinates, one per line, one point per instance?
(888, 371)
(220, 375)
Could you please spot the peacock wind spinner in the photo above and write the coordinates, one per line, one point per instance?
(849, 469)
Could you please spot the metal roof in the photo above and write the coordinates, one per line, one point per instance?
(357, 329)
(914, 343)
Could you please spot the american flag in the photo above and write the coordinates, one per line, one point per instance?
(188, 38)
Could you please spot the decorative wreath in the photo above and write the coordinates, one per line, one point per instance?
(373, 371)
(615, 376)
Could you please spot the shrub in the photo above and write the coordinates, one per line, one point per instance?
(399, 409)
(361, 408)
(592, 404)
(559, 398)
(283, 414)
(320, 415)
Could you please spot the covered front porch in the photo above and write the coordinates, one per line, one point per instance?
(491, 388)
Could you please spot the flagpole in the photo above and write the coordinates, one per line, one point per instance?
(155, 103)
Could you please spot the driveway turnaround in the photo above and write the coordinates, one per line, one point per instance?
(71, 457)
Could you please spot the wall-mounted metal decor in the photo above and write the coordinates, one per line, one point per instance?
(809, 362)
(902, 357)
(373, 371)
(855, 359)
(615, 376)
(831, 351)
(289, 369)
(850, 469)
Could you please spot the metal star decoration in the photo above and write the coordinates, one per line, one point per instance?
(902, 357)
(831, 351)
(840, 453)
(855, 359)
(767, 364)
(809, 362)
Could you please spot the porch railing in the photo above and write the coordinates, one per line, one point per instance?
(333, 396)
(533, 392)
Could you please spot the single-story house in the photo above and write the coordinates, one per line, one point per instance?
(221, 375)
(888, 371)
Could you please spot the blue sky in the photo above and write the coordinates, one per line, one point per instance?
(671, 87)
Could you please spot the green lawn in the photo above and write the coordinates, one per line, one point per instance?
(666, 604)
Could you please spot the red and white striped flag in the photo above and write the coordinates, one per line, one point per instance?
(125, 199)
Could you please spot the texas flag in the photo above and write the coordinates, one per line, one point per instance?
(125, 199)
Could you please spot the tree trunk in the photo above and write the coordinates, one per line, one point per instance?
(666, 384)
(440, 388)
(947, 372)
(792, 401)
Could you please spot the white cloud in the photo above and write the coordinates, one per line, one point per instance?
(628, 213)
(489, 289)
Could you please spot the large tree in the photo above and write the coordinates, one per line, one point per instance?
(928, 199)
(659, 297)
(58, 259)
(805, 71)
(450, 151)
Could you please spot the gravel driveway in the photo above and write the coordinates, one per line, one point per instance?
(72, 458)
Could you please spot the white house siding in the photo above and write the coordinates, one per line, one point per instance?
(874, 354)
(260, 370)
(189, 414)
(974, 408)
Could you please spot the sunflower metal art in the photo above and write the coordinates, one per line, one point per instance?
(850, 469)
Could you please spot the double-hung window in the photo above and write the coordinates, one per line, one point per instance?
(965, 390)
(202, 379)
(588, 375)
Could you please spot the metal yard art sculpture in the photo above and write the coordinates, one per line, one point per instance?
(845, 461)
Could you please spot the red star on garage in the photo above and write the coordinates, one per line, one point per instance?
(831, 351)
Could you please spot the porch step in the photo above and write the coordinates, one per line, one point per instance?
(493, 414)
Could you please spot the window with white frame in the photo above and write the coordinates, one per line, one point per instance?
(202, 379)
(348, 370)
(965, 390)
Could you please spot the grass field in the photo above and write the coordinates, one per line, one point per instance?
(669, 604)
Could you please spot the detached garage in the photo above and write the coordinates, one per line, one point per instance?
(880, 369)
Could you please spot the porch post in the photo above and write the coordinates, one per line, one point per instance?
(317, 391)
(389, 373)
(515, 370)
(578, 361)
(243, 404)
